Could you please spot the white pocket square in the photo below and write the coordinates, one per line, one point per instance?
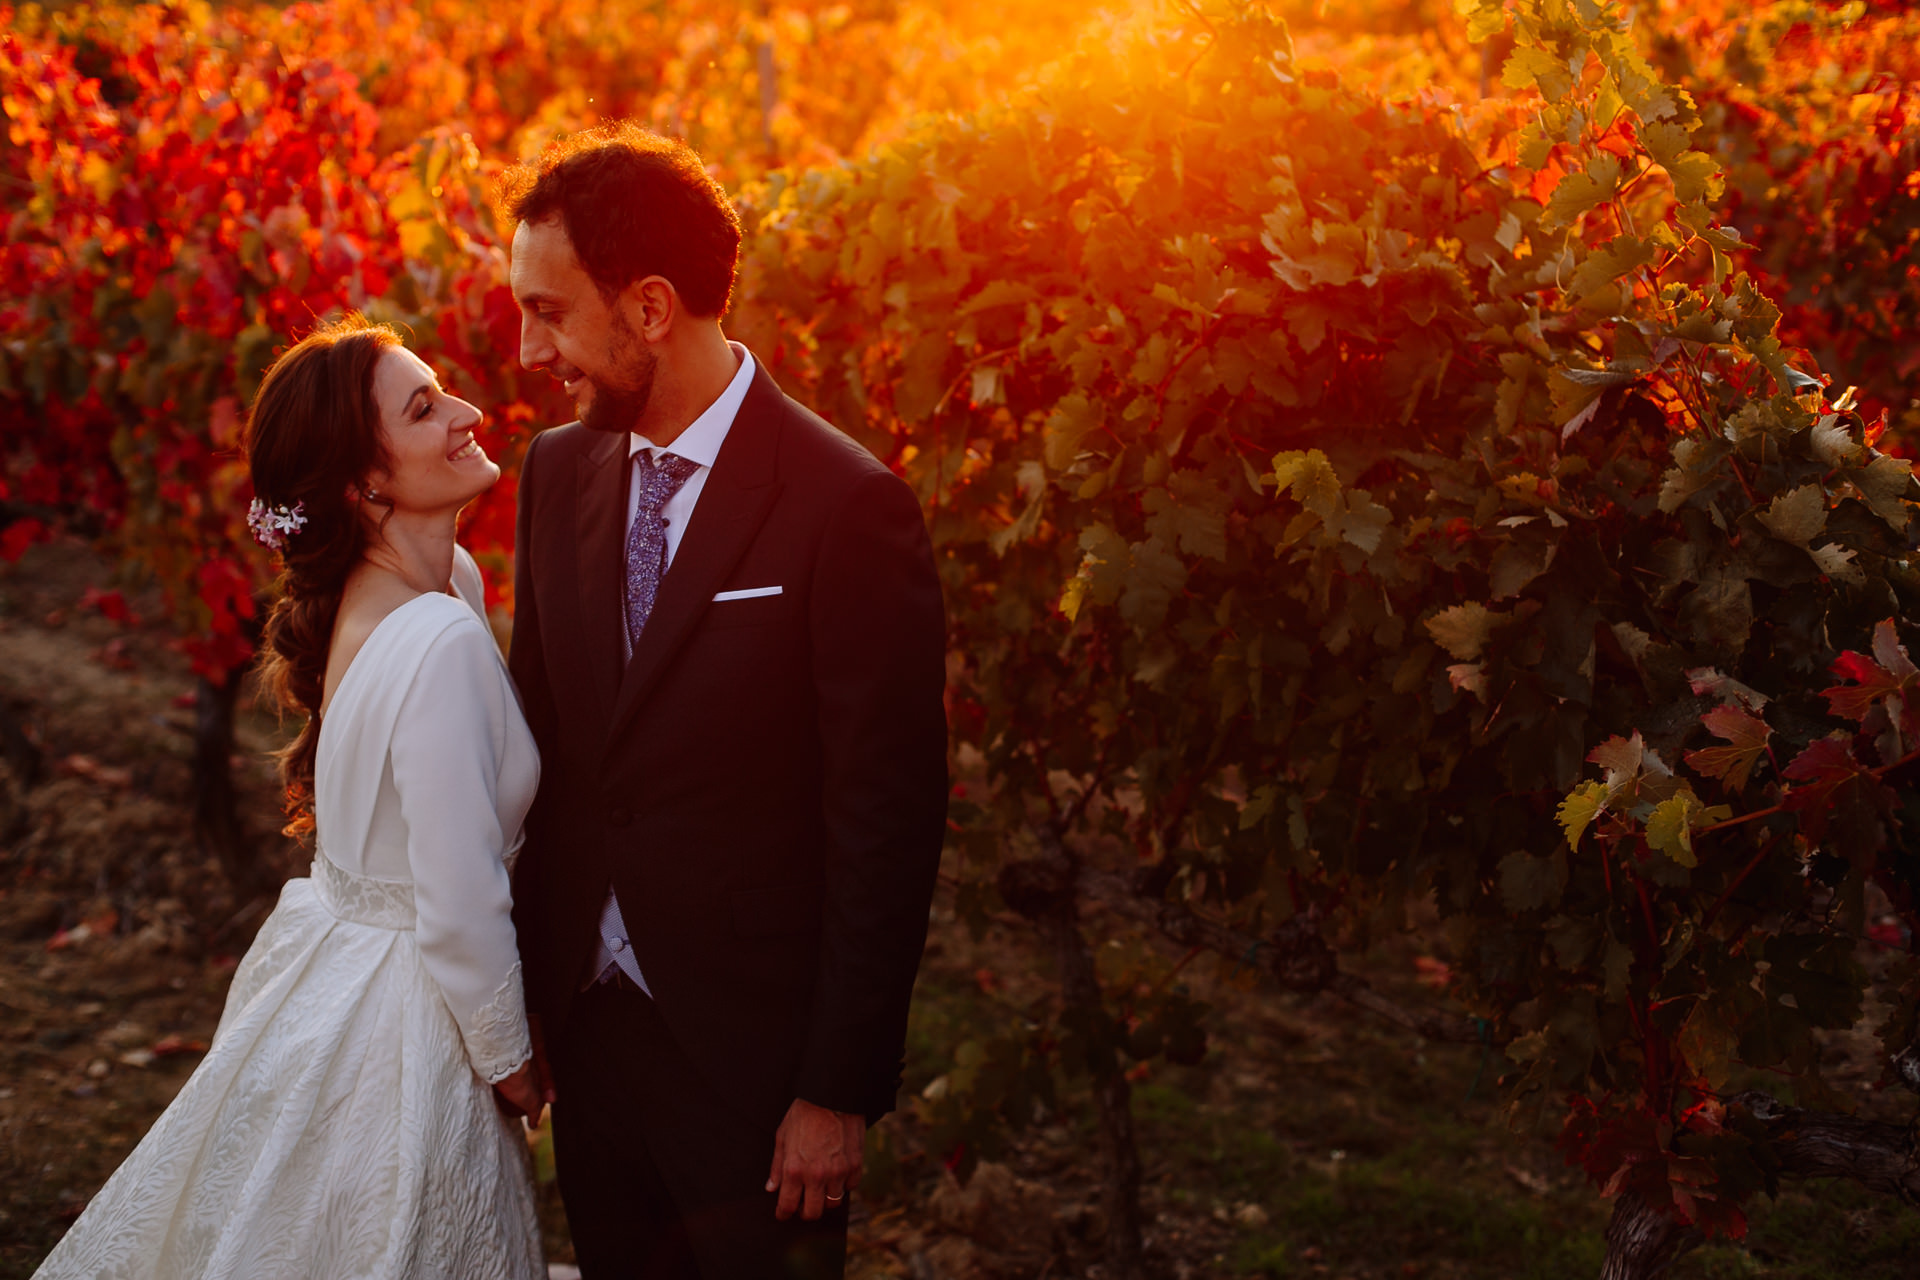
(747, 593)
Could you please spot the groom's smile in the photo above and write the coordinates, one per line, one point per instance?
(577, 332)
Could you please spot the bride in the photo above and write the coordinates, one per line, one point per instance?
(343, 1123)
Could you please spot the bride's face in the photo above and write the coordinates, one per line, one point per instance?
(436, 464)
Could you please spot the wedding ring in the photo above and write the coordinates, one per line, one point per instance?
(832, 1199)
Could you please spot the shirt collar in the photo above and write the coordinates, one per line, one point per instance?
(700, 442)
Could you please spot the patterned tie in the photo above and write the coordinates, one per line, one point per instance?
(647, 540)
(655, 482)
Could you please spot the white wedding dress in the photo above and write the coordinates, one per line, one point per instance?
(341, 1126)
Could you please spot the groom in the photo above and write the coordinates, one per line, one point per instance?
(729, 639)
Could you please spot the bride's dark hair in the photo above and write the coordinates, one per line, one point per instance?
(314, 433)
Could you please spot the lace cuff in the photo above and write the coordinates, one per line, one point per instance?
(497, 1041)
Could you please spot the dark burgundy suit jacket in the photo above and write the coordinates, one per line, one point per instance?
(764, 783)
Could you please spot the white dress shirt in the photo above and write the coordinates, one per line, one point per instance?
(699, 444)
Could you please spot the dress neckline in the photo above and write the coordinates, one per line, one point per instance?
(333, 705)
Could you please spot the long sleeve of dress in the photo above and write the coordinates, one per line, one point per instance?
(449, 746)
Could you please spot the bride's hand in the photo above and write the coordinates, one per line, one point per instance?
(520, 1094)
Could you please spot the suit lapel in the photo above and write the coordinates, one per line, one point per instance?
(600, 529)
(739, 492)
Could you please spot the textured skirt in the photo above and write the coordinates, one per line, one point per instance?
(334, 1131)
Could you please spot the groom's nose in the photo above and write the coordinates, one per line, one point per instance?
(536, 343)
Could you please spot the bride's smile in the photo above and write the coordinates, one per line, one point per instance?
(434, 459)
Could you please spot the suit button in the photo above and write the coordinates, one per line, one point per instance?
(620, 816)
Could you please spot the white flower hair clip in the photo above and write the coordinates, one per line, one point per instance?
(272, 526)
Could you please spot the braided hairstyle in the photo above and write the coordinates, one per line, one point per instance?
(314, 433)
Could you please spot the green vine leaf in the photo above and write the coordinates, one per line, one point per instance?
(1072, 420)
(1671, 825)
(1464, 629)
(1527, 67)
(1709, 1044)
(1582, 192)
(1528, 883)
(1582, 805)
(1616, 258)
(1798, 516)
(1308, 477)
(1834, 445)
(1883, 485)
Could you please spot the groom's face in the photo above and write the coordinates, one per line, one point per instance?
(572, 330)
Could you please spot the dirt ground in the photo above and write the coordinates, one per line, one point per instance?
(1309, 1142)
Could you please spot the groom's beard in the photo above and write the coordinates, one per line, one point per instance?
(617, 410)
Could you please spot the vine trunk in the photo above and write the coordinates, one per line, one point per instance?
(216, 813)
(1043, 891)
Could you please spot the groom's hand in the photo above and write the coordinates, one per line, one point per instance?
(817, 1158)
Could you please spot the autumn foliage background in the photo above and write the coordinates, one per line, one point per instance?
(1378, 455)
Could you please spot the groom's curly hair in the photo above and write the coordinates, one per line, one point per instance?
(314, 432)
(633, 204)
